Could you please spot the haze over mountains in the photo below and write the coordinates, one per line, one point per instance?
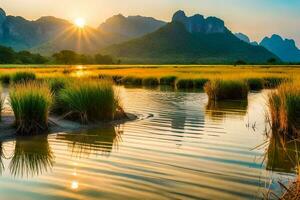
(194, 39)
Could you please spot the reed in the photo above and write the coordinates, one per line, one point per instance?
(284, 107)
(218, 89)
(30, 103)
(23, 77)
(89, 101)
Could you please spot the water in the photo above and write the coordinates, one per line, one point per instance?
(181, 147)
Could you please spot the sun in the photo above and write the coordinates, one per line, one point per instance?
(80, 22)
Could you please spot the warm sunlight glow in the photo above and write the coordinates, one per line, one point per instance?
(80, 22)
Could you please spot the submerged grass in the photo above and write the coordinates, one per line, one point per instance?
(89, 101)
(284, 107)
(30, 103)
(23, 77)
(218, 89)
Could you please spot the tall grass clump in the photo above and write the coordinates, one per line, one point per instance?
(255, 83)
(23, 77)
(57, 84)
(168, 80)
(90, 100)
(1, 103)
(284, 107)
(30, 103)
(5, 79)
(226, 90)
(150, 81)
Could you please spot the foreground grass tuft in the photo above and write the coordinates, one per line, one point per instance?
(23, 77)
(90, 100)
(30, 103)
(284, 107)
(226, 90)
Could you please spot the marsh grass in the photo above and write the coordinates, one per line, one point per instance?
(1, 103)
(89, 101)
(150, 81)
(218, 89)
(168, 80)
(23, 77)
(284, 107)
(30, 103)
(255, 83)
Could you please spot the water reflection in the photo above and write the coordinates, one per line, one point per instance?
(282, 155)
(218, 111)
(85, 143)
(32, 156)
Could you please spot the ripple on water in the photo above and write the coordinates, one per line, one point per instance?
(181, 147)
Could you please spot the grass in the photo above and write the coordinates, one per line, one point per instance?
(89, 101)
(150, 81)
(273, 82)
(185, 84)
(1, 103)
(57, 84)
(30, 103)
(200, 82)
(168, 80)
(284, 107)
(23, 77)
(226, 90)
(255, 84)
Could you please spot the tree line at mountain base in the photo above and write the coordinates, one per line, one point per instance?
(9, 56)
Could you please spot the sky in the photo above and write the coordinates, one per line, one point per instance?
(255, 18)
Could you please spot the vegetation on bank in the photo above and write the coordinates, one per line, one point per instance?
(30, 103)
(284, 107)
(226, 90)
(89, 101)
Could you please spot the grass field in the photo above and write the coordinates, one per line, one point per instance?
(158, 71)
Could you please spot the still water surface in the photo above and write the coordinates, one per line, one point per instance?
(181, 147)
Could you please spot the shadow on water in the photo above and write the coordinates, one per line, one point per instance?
(32, 156)
(85, 143)
(282, 155)
(218, 111)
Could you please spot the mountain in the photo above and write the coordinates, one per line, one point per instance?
(189, 40)
(285, 49)
(49, 34)
(131, 26)
(245, 38)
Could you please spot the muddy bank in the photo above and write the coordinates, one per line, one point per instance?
(57, 124)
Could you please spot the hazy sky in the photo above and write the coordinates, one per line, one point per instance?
(256, 18)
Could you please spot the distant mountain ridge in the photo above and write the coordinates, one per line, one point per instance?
(131, 26)
(245, 38)
(190, 40)
(285, 49)
(49, 34)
